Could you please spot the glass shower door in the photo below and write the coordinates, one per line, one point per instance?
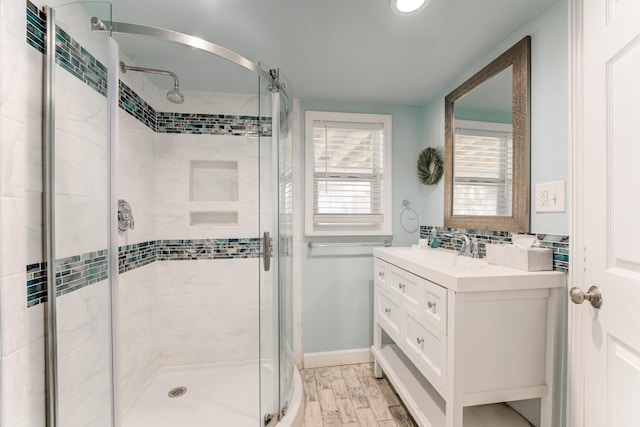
(268, 226)
(276, 277)
(285, 253)
(76, 219)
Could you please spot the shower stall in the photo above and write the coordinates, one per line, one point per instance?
(168, 229)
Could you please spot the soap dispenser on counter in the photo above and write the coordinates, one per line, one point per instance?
(433, 238)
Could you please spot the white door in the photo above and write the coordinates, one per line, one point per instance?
(607, 214)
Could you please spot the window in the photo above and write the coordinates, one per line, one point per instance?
(348, 174)
(483, 168)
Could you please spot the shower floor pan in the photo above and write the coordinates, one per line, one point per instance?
(224, 395)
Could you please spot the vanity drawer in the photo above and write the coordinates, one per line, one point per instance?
(389, 315)
(409, 287)
(381, 272)
(434, 309)
(428, 346)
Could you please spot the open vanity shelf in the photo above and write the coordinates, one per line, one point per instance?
(466, 334)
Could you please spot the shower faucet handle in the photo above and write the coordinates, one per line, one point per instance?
(125, 216)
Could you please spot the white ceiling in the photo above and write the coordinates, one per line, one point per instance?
(345, 50)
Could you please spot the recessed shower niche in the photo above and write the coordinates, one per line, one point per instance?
(208, 218)
(213, 181)
(212, 185)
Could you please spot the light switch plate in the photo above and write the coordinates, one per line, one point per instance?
(550, 197)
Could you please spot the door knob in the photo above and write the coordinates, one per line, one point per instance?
(594, 296)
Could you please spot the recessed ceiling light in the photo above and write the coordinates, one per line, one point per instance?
(405, 7)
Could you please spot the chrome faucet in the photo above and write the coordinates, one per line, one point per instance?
(475, 248)
(465, 249)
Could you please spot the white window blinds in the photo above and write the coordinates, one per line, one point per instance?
(483, 169)
(349, 173)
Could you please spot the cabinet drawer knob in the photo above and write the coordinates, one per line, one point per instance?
(401, 285)
(419, 340)
(381, 274)
(387, 310)
(431, 305)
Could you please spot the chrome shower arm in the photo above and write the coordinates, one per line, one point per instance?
(124, 68)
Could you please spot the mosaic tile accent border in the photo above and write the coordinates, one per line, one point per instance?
(72, 273)
(213, 124)
(558, 243)
(202, 249)
(78, 271)
(80, 63)
(137, 255)
(36, 27)
(137, 107)
(71, 56)
(36, 283)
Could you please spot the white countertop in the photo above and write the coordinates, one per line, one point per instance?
(464, 274)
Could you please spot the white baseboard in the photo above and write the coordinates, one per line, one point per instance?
(335, 358)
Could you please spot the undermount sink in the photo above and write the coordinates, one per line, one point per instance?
(460, 273)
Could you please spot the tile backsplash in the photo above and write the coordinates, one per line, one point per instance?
(558, 243)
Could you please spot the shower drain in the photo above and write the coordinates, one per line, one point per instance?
(177, 391)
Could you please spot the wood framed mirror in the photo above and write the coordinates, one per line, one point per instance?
(487, 152)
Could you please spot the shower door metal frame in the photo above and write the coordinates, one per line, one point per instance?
(192, 41)
(48, 134)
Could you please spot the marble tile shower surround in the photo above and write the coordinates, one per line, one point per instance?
(185, 313)
(84, 372)
(76, 272)
(78, 61)
(558, 243)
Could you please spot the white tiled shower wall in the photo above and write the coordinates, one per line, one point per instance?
(184, 312)
(135, 183)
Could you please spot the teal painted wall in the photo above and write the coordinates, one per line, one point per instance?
(337, 284)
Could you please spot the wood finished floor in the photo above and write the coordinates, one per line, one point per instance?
(350, 396)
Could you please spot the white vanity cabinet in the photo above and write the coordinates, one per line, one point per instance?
(465, 334)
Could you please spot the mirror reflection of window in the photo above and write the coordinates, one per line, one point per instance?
(483, 168)
(483, 149)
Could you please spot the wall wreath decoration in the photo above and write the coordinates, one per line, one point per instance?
(430, 166)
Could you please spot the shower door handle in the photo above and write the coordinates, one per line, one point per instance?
(266, 250)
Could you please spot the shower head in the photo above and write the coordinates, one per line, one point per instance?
(173, 95)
